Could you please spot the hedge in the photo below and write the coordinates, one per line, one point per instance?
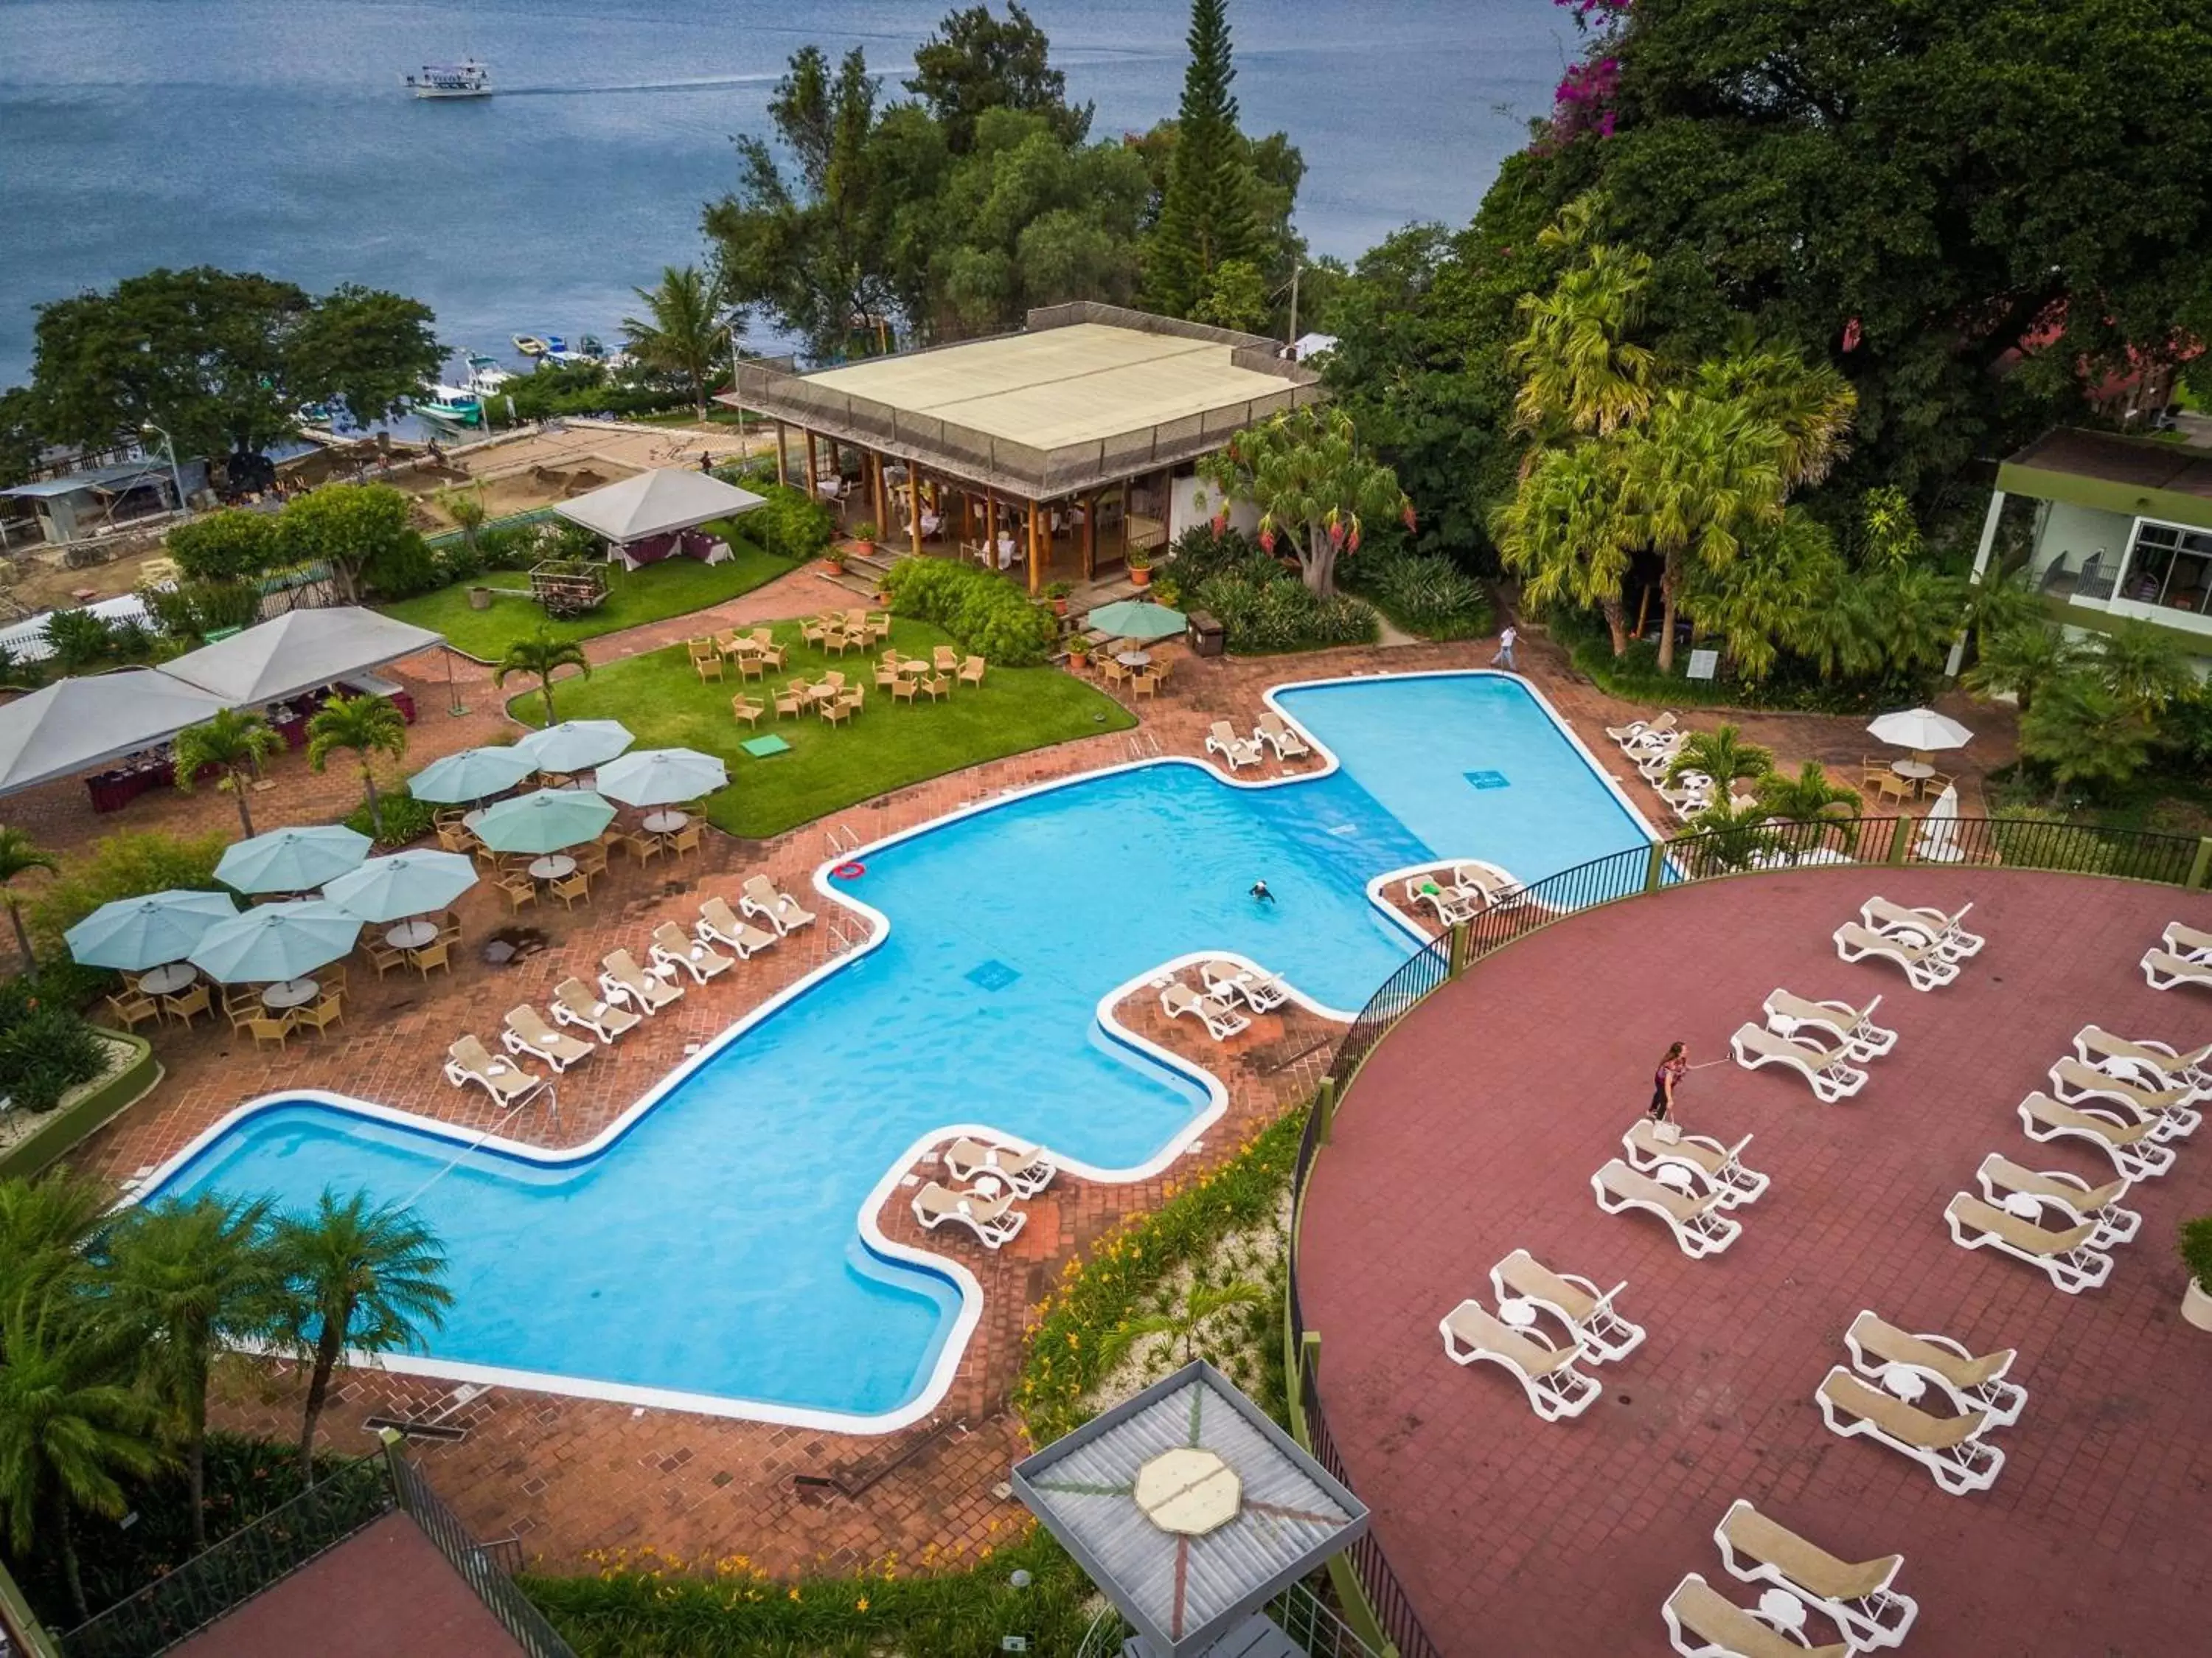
(986, 613)
(793, 525)
(73, 1123)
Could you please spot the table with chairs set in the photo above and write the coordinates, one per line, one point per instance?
(837, 696)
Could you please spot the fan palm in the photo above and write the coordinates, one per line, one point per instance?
(2084, 732)
(1807, 796)
(1728, 836)
(1182, 1324)
(1916, 605)
(1721, 754)
(2022, 661)
(1810, 405)
(364, 725)
(356, 1278)
(44, 1225)
(541, 656)
(682, 333)
(234, 741)
(2140, 664)
(19, 853)
(1579, 370)
(1564, 535)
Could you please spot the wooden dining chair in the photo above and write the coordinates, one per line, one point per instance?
(326, 1010)
(449, 927)
(518, 888)
(643, 848)
(945, 659)
(132, 1008)
(269, 1027)
(435, 953)
(745, 709)
(187, 1004)
(572, 889)
(686, 839)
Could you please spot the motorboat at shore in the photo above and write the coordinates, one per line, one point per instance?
(466, 79)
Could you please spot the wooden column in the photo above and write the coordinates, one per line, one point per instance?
(913, 500)
(782, 473)
(1090, 536)
(1036, 549)
(879, 494)
(990, 529)
(813, 467)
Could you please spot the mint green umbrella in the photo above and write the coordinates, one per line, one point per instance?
(409, 883)
(544, 822)
(276, 941)
(292, 860)
(662, 776)
(134, 934)
(576, 745)
(1136, 619)
(473, 774)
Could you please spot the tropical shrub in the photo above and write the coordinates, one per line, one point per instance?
(234, 545)
(2196, 1250)
(192, 610)
(405, 819)
(793, 525)
(1424, 592)
(985, 612)
(1259, 602)
(80, 640)
(46, 1048)
(124, 865)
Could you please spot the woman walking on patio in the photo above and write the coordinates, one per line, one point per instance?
(1672, 1064)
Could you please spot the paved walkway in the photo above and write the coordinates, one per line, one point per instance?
(1474, 1130)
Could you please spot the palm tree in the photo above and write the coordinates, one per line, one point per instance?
(1563, 532)
(367, 726)
(542, 656)
(1579, 371)
(193, 1275)
(70, 1420)
(2084, 732)
(1809, 404)
(1916, 605)
(2142, 665)
(44, 1226)
(356, 1278)
(234, 741)
(684, 333)
(19, 853)
(2021, 659)
(1721, 754)
(1182, 1325)
(1730, 837)
(1807, 796)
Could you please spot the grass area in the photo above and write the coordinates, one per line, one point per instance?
(674, 587)
(885, 746)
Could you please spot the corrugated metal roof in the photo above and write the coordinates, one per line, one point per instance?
(149, 472)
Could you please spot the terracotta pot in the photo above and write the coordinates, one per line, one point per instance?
(1140, 578)
(2197, 1306)
(1059, 606)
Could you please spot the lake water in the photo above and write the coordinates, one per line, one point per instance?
(275, 135)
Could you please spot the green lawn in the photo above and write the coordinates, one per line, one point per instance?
(885, 746)
(674, 587)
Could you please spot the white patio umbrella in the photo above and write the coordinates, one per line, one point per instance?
(135, 933)
(292, 860)
(276, 941)
(1920, 729)
(576, 745)
(662, 776)
(404, 884)
(1939, 832)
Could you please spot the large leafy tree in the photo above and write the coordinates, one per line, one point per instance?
(230, 545)
(363, 727)
(1316, 486)
(235, 743)
(1207, 217)
(682, 330)
(974, 62)
(361, 532)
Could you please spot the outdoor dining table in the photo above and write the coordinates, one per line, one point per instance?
(1135, 658)
(412, 934)
(554, 866)
(169, 979)
(664, 823)
(290, 993)
(913, 665)
(1915, 773)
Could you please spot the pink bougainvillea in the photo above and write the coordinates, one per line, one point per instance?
(1585, 100)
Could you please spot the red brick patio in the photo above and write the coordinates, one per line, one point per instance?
(1474, 1129)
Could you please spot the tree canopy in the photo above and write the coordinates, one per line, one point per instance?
(975, 62)
(1207, 217)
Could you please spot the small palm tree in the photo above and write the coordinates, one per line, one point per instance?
(540, 657)
(2145, 667)
(356, 1278)
(236, 742)
(1730, 837)
(2020, 660)
(1182, 1325)
(1721, 754)
(365, 726)
(2085, 732)
(44, 1226)
(1807, 796)
(20, 853)
(193, 1275)
(681, 334)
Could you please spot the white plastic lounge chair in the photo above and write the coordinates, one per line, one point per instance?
(2162, 970)
(1862, 1040)
(2166, 1110)
(1832, 1077)
(1703, 1623)
(1452, 907)
(1857, 1594)
(1027, 1170)
(1952, 941)
(1232, 748)
(672, 948)
(2190, 943)
(1699, 1231)
(1494, 887)
(1657, 758)
(762, 897)
(1720, 1167)
(1925, 969)
(2134, 1149)
(1226, 981)
(2069, 1194)
(1950, 1448)
(1556, 1389)
(995, 1221)
(528, 1034)
(624, 981)
(718, 924)
(1636, 731)
(2157, 1063)
(1279, 735)
(574, 1003)
(1604, 1335)
(2073, 1265)
(507, 1083)
(1222, 1021)
(1974, 1381)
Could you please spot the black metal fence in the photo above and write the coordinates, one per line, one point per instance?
(484, 1566)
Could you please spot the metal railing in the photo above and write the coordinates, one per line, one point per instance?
(485, 1568)
(1311, 1624)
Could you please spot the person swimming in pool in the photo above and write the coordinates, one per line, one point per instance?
(1260, 894)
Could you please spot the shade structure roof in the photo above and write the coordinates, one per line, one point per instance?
(298, 651)
(1137, 619)
(75, 724)
(575, 745)
(661, 776)
(151, 930)
(656, 502)
(292, 860)
(1921, 728)
(473, 774)
(1189, 1507)
(545, 821)
(275, 941)
(403, 884)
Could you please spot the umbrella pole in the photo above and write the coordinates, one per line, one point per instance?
(453, 688)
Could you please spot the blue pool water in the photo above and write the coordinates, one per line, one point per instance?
(713, 1249)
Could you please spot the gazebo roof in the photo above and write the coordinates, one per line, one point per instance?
(298, 651)
(657, 502)
(74, 724)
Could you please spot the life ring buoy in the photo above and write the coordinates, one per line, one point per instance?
(850, 871)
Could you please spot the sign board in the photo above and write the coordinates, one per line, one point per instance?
(1703, 664)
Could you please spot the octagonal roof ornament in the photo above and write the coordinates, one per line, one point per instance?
(1188, 1492)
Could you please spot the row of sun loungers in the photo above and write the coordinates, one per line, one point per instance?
(1857, 1596)
(1227, 985)
(1016, 1171)
(2182, 956)
(1461, 891)
(1272, 732)
(1925, 942)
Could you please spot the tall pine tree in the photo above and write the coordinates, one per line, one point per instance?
(1207, 217)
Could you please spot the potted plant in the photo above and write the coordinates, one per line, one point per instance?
(1140, 567)
(1167, 593)
(833, 557)
(2197, 1260)
(1058, 592)
(864, 532)
(1078, 651)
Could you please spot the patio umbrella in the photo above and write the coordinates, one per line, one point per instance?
(404, 884)
(1939, 832)
(292, 860)
(662, 776)
(276, 941)
(576, 745)
(470, 775)
(1920, 729)
(1136, 619)
(544, 822)
(134, 934)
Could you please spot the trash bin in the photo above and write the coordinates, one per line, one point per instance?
(1204, 634)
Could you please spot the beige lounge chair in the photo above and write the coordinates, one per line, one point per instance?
(1026, 1169)
(1605, 1337)
(527, 1034)
(719, 923)
(1495, 888)
(762, 897)
(2066, 1256)
(1951, 940)
(673, 947)
(2069, 1194)
(2162, 970)
(2159, 1063)
(2166, 1110)
(1926, 968)
(1274, 731)
(1451, 905)
(1222, 1021)
(507, 1083)
(1721, 1167)
(1756, 1549)
(1950, 1448)
(1260, 990)
(1696, 1611)
(1556, 1389)
(1698, 1230)
(2190, 943)
(624, 981)
(1640, 730)
(2132, 1146)
(1234, 750)
(574, 1003)
(1975, 1381)
(1862, 1040)
(1830, 1074)
(995, 1221)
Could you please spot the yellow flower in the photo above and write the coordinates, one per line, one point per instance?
(792, 1593)
(860, 1605)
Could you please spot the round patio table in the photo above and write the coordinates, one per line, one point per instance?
(1518, 1312)
(1135, 658)
(412, 934)
(1913, 771)
(169, 979)
(913, 665)
(1784, 1610)
(986, 1186)
(1907, 1385)
(664, 823)
(554, 866)
(290, 993)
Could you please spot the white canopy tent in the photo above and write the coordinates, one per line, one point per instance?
(299, 651)
(659, 503)
(74, 725)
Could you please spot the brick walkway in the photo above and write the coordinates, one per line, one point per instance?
(1474, 1130)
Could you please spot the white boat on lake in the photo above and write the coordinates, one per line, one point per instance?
(466, 79)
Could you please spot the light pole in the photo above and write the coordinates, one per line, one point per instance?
(168, 447)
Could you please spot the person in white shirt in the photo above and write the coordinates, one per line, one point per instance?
(1505, 657)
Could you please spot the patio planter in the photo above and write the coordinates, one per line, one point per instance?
(132, 1073)
(479, 598)
(1140, 576)
(2197, 1306)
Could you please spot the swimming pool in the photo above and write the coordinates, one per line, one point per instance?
(709, 1251)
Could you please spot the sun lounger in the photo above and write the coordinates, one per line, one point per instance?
(1494, 887)
(1952, 941)
(1451, 905)
(2072, 1265)
(507, 1083)
(1862, 1040)
(2190, 943)
(2162, 970)
(1222, 1020)
(995, 1221)
(1703, 1623)
(1556, 1389)
(1223, 740)
(574, 1003)
(2157, 1063)
(1720, 1167)
(719, 923)
(1598, 1327)
(1756, 1549)
(1925, 968)
(1278, 735)
(527, 1033)
(2166, 1110)
(624, 981)
(1026, 1169)
(1975, 1381)
(1831, 1077)
(1638, 730)
(2134, 1149)
(672, 948)
(1699, 1231)
(2069, 1194)
(1950, 1448)
(1655, 762)
(1227, 982)
(761, 897)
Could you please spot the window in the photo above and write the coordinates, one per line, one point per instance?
(2169, 565)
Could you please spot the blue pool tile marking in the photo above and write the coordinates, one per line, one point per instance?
(992, 976)
(1486, 779)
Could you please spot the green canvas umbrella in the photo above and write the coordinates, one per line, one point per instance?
(409, 883)
(292, 860)
(662, 776)
(544, 822)
(135, 933)
(473, 774)
(275, 941)
(1136, 619)
(576, 745)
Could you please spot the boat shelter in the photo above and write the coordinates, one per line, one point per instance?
(658, 514)
(1060, 449)
(74, 725)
